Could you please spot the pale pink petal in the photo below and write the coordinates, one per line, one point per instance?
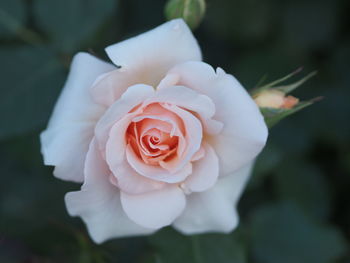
(109, 87)
(199, 154)
(168, 81)
(145, 59)
(163, 123)
(128, 180)
(154, 209)
(194, 134)
(157, 50)
(244, 131)
(205, 172)
(65, 147)
(132, 97)
(214, 210)
(200, 104)
(211, 126)
(155, 172)
(73, 119)
(98, 203)
(186, 98)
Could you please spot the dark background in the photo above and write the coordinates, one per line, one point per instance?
(296, 207)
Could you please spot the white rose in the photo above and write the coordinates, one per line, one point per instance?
(162, 139)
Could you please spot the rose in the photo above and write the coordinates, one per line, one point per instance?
(163, 139)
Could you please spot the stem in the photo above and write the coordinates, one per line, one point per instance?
(196, 250)
(25, 34)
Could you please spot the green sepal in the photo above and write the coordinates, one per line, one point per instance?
(284, 88)
(289, 88)
(272, 115)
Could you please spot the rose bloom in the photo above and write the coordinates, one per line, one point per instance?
(160, 139)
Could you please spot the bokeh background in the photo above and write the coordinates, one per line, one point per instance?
(296, 208)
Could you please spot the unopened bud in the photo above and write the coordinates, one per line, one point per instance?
(275, 99)
(192, 11)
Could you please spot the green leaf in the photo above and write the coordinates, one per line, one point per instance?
(192, 11)
(282, 233)
(172, 247)
(164, 243)
(306, 186)
(265, 163)
(71, 22)
(12, 17)
(31, 80)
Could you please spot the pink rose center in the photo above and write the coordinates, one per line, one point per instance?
(155, 135)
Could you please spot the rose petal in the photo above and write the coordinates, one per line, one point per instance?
(205, 172)
(155, 172)
(145, 59)
(154, 209)
(244, 131)
(185, 98)
(73, 119)
(214, 210)
(157, 50)
(193, 138)
(109, 87)
(199, 154)
(128, 180)
(132, 97)
(168, 81)
(68, 161)
(98, 203)
(189, 99)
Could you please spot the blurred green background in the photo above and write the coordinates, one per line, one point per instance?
(296, 208)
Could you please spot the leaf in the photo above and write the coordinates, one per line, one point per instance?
(282, 233)
(71, 22)
(221, 248)
(306, 186)
(12, 17)
(31, 80)
(172, 247)
(265, 163)
(166, 240)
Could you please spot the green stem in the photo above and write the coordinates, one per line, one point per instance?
(196, 250)
(25, 34)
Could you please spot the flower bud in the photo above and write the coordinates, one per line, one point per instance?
(273, 102)
(192, 11)
(275, 99)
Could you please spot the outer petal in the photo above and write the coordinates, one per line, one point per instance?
(155, 209)
(214, 210)
(73, 119)
(98, 203)
(162, 47)
(244, 132)
(146, 58)
(205, 172)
